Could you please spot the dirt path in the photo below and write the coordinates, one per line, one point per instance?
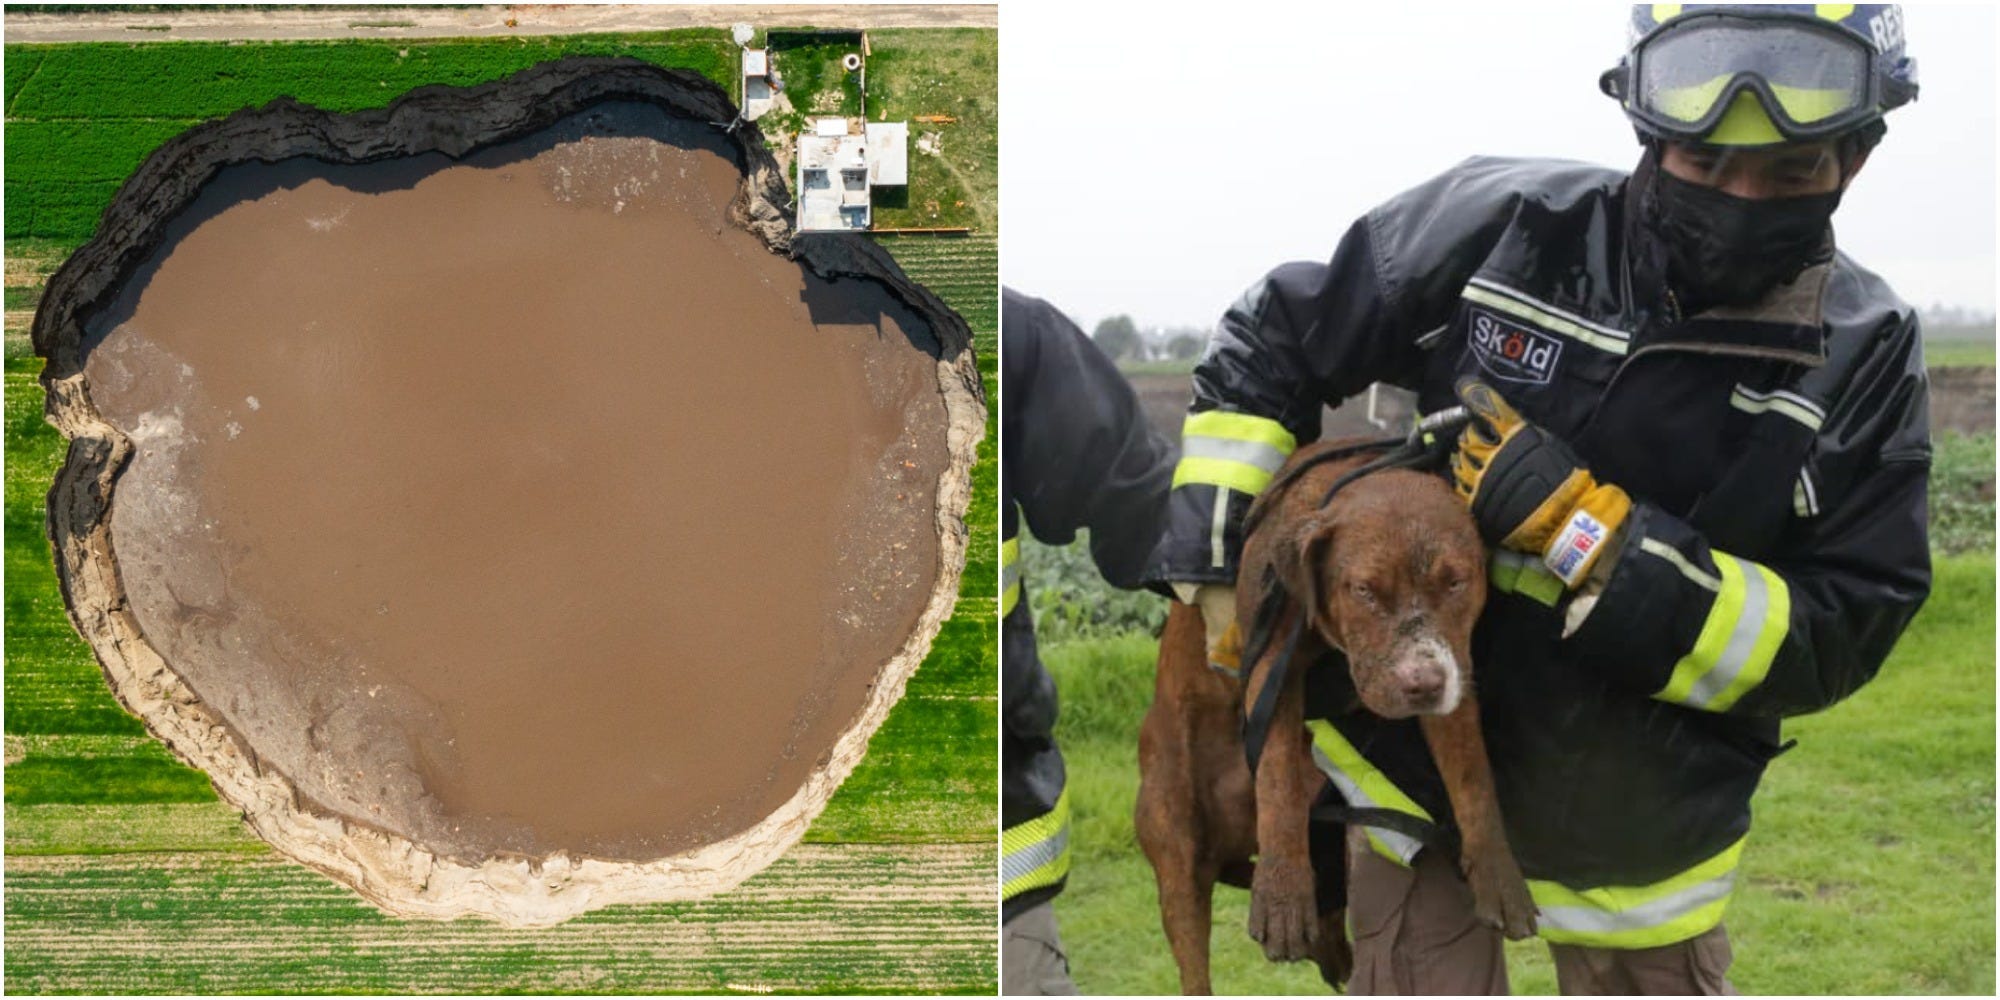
(489, 21)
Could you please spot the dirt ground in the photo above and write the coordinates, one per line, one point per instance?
(1962, 399)
(490, 20)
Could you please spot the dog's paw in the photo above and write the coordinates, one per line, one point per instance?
(1281, 911)
(1500, 897)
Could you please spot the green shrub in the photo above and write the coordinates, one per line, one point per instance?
(1071, 601)
(1962, 493)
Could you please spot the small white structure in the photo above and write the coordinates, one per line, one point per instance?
(838, 170)
(888, 153)
(757, 91)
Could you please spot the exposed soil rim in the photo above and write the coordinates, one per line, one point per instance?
(393, 872)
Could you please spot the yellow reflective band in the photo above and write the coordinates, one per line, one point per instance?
(1834, 11)
(1036, 853)
(1010, 575)
(1365, 787)
(1664, 12)
(1648, 916)
(1548, 317)
(1517, 573)
(1232, 450)
(1239, 427)
(1746, 624)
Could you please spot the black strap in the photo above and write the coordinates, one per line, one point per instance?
(1257, 726)
(1262, 504)
(1268, 609)
(1428, 445)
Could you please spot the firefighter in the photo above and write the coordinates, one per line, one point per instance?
(1076, 453)
(1700, 463)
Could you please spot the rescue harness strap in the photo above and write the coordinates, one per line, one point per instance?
(1427, 447)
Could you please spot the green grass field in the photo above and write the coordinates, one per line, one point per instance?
(1870, 868)
(127, 874)
(1959, 353)
(955, 73)
(1169, 366)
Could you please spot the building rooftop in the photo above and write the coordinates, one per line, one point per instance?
(757, 94)
(837, 170)
(888, 153)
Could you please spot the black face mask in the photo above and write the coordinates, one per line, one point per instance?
(1721, 250)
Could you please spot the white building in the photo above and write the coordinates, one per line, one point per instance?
(757, 94)
(888, 153)
(838, 170)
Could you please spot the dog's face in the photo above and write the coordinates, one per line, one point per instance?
(1396, 580)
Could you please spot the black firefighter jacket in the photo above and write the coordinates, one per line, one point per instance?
(1777, 457)
(1076, 453)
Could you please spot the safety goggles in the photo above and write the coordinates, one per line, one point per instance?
(1813, 79)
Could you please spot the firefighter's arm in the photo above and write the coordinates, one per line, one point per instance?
(1697, 626)
(1311, 334)
(1303, 336)
(1084, 455)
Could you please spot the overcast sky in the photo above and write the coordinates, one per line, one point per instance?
(1155, 166)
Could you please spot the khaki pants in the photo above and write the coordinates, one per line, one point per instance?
(1032, 962)
(1414, 934)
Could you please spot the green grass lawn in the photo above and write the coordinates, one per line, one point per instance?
(127, 874)
(953, 72)
(1959, 353)
(1870, 868)
(1168, 366)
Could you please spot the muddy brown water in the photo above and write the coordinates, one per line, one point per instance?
(522, 503)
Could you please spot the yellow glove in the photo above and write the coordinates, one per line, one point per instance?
(1528, 491)
(1227, 650)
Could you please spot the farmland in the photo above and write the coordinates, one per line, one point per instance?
(125, 873)
(81, 117)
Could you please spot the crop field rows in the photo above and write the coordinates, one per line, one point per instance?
(963, 270)
(81, 117)
(823, 918)
(119, 857)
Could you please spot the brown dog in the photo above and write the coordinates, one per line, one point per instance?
(1393, 574)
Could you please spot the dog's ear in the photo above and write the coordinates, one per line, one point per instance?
(1301, 564)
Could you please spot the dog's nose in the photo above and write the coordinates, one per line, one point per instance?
(1424, 684)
